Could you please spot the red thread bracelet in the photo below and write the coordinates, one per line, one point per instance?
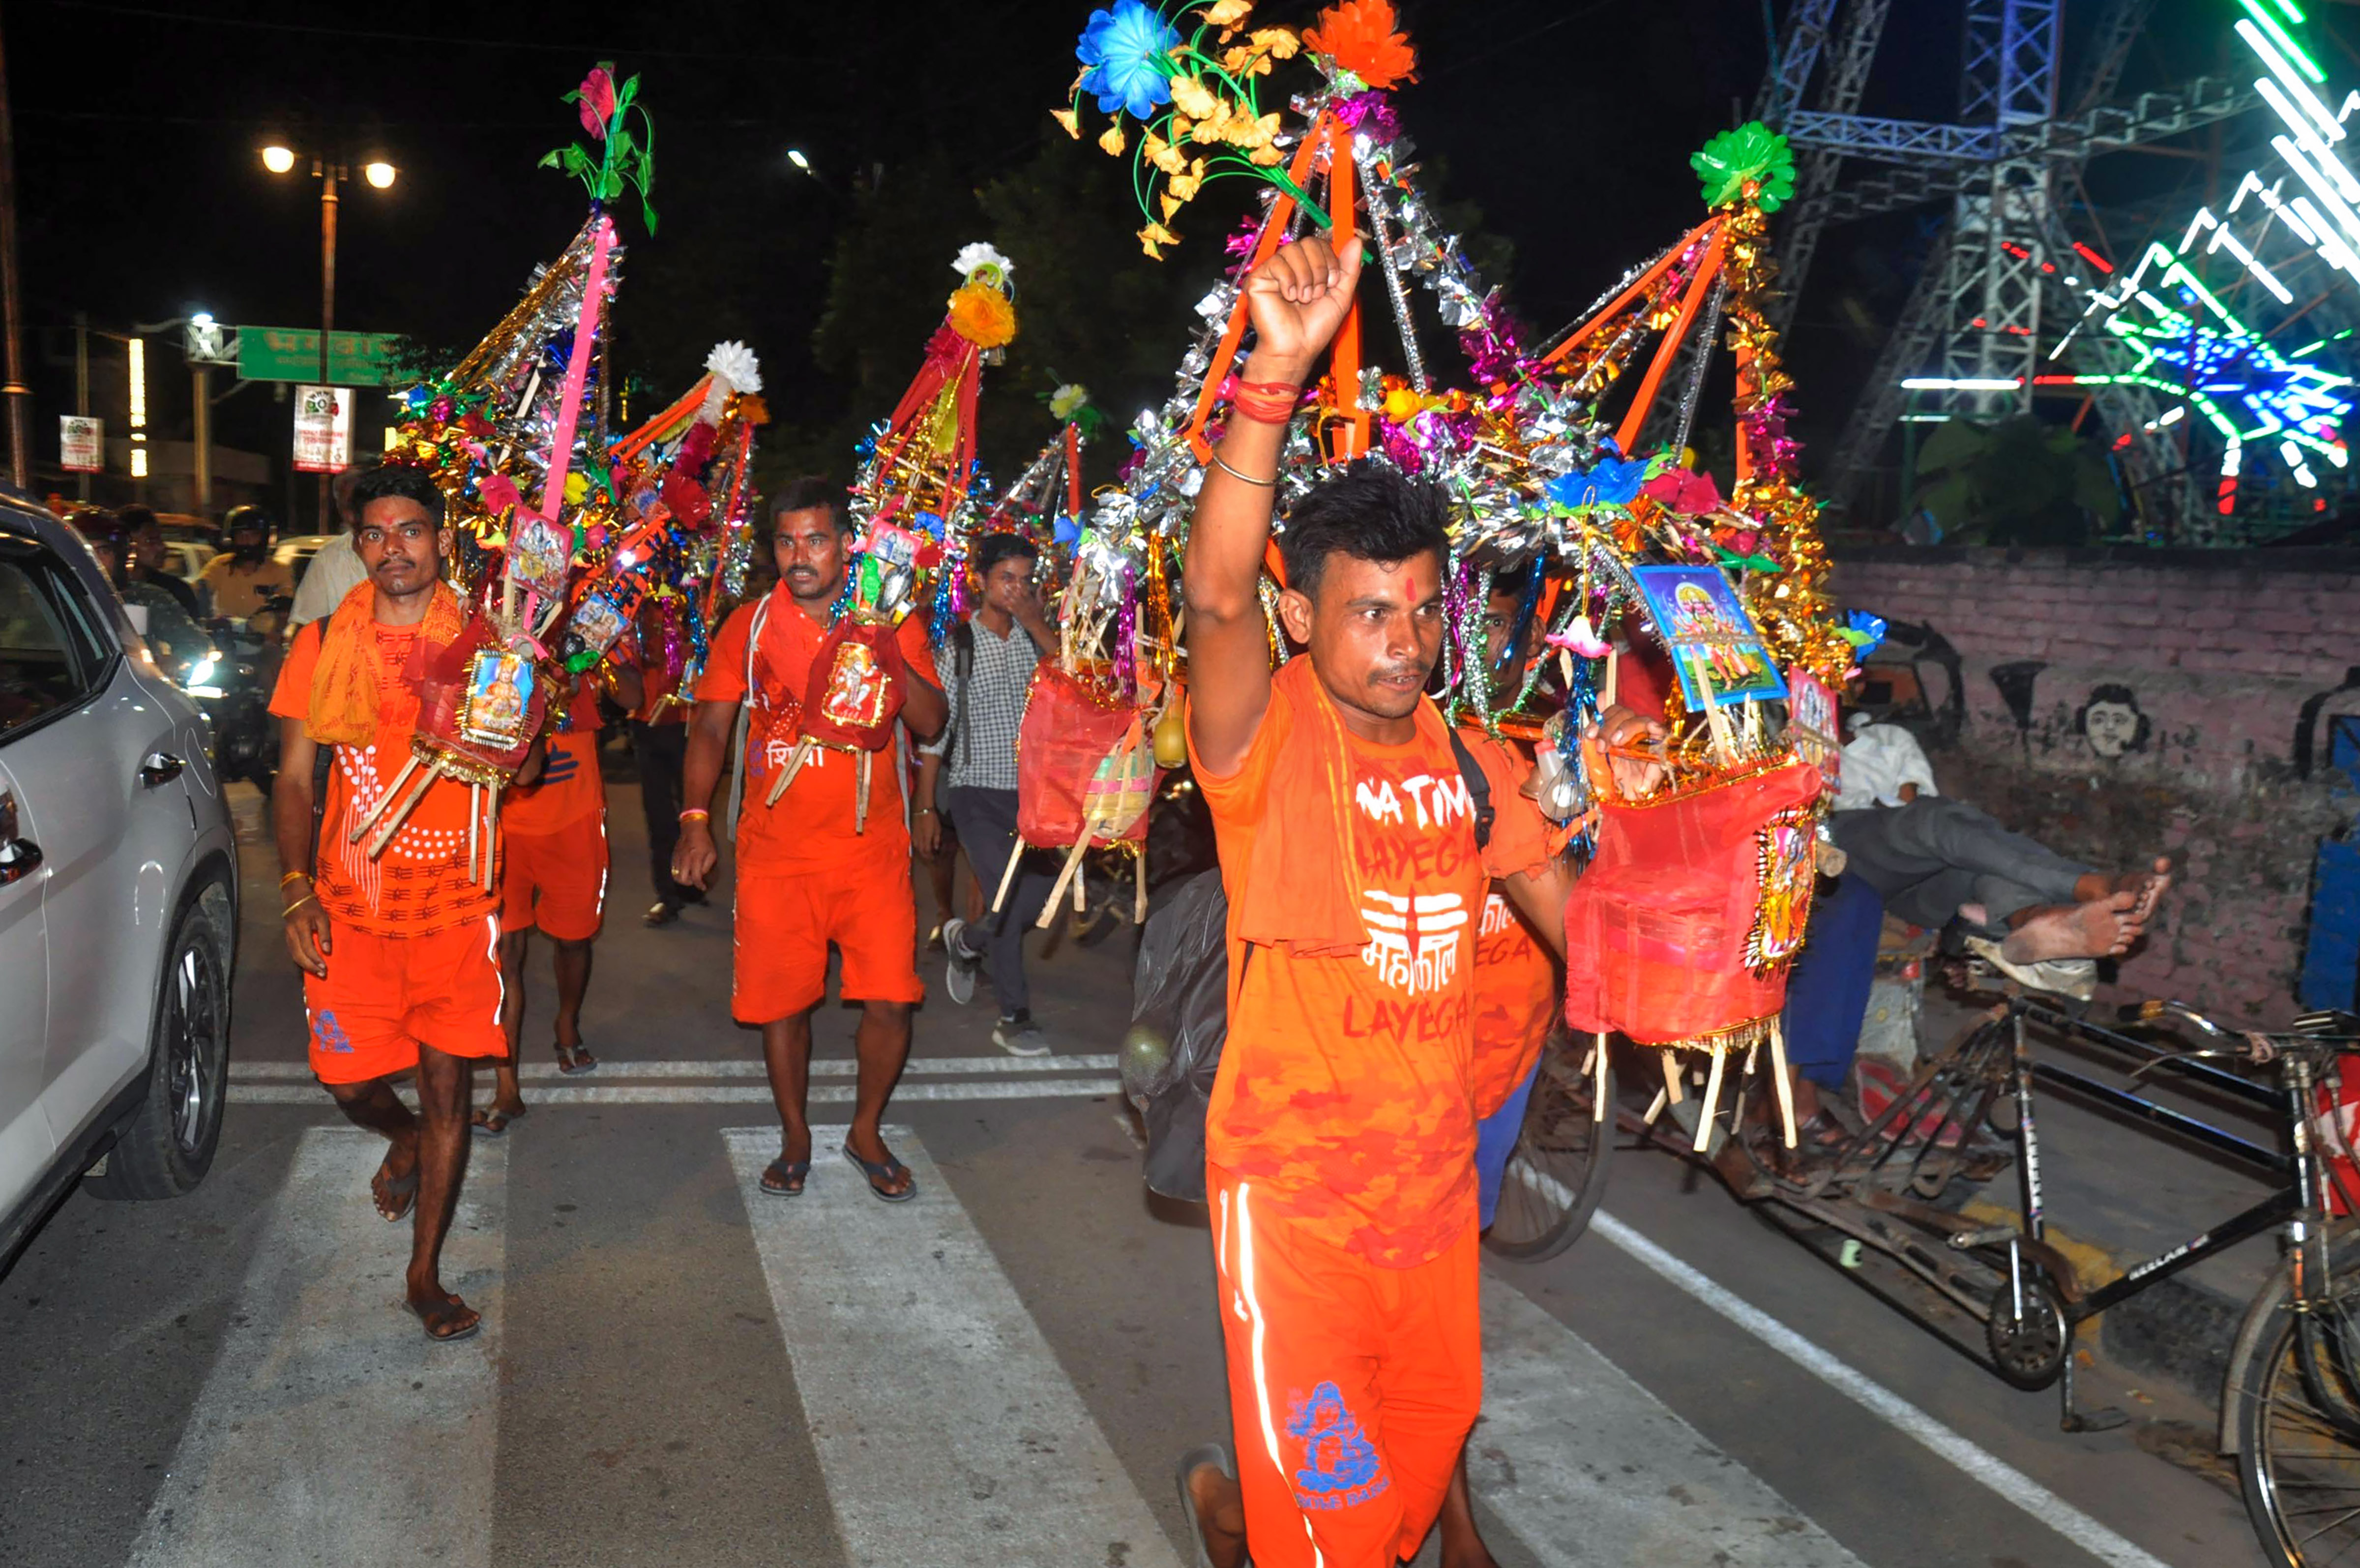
(1266, 402)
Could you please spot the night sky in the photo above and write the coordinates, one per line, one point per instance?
(1568, 123)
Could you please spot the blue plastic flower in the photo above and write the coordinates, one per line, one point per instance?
(1127, 50)
(1066, 529)
(1611, 481)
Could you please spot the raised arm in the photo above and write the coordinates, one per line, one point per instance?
(1297, 300)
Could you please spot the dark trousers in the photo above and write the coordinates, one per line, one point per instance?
(1927, 858)
(985, 820)
(661, 750)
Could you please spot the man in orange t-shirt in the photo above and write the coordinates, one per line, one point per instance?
(811, 872)
(1339, 1139)
(399, 952)
(553, 878)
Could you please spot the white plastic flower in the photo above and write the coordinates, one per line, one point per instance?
(1067, 400)
(982, 254)
(735, 363)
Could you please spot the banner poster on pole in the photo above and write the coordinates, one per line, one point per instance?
(81, 443)
(323, 430)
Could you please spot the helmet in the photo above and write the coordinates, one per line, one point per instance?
(240, 517)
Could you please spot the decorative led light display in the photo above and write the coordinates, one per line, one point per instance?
(2189, 346)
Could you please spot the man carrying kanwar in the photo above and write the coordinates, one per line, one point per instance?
(1339, 1139)
(552, 880)
(816, 869)
(400, 953)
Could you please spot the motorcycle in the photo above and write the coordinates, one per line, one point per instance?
(234, 688)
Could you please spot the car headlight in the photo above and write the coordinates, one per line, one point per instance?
(200, 674)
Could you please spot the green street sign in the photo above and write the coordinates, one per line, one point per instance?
(292, 353)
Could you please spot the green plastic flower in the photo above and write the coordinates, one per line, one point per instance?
(1753, 153)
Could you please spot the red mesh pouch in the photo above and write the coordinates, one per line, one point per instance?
(1079, 759)
(1683, 925)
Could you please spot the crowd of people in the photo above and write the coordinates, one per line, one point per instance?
(1395, 897)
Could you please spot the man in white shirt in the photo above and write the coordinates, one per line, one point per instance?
(1883, 765)
(335, 569)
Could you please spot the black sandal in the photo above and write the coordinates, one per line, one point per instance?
(572, 1060)
(401, 1191)
(784, 1177)
(882, 1171)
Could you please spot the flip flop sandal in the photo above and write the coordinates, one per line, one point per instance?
(1218, 1456)
(493, 1123)
(572, 1059)
(886, 1169)
(404, 1194)
(781, 1172)
(443, 1312)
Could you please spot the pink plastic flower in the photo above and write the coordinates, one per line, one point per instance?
(497, 492)
(1685, 494)
(1579, 638)
(598, 101)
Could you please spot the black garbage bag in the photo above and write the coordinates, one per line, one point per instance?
(1179, 1018)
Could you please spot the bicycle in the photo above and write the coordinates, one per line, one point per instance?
(2290, 1406)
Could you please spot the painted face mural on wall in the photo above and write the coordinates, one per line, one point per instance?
(2111, 722)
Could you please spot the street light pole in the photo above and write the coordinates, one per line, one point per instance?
(330, 176)
(20, 396)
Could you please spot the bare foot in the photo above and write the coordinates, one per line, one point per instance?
(1220, 1514)
(2103, 927)
(2148, 887)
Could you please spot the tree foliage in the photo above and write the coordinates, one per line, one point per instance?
(2022, 481)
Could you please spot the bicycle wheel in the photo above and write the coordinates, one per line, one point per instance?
(2301, 1468)
(1557, 1173)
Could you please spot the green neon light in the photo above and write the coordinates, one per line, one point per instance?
(2285, 40)
(2293, 12)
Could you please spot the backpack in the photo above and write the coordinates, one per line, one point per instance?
(1179, 1010)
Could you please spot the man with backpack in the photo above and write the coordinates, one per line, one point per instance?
(970, 772)
(1339, 1138)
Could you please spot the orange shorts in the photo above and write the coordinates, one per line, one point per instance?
(785, 924)
(1352, 1386)
(556, 882)
(384, 996)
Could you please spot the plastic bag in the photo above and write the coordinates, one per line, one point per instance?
(1179, 1021)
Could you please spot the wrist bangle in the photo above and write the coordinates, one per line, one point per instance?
(290, 876)
(696, 814)
(1269, 484)
(298, 903)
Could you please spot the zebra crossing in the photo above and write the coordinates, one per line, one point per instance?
(328, 1429)
(733, 1082)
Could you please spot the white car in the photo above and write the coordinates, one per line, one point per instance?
(118, 895)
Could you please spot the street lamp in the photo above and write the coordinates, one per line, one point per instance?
(795, 156)
(282, 160)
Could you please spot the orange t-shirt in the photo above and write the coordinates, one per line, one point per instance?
(1516, 987)
(1346, 1090)
(419, 885)
(812, 827)
(570, 787)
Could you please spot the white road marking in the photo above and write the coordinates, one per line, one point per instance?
(710, 1093)
(735, 1067)
(944, 1424)
(330, 1430)
(1587, 1467)
(2003, 1479)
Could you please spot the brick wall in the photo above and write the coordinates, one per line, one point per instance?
(2162, 691)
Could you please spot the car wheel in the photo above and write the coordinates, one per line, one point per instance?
(168, 1145)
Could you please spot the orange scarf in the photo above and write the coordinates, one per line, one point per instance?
(1301, 890)
(346, 685)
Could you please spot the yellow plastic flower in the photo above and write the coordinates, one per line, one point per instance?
(1181, 126)
(1401, 405)
(1161, 154)
(1244, 60)
(1279, 43)
(1191, 97)
(1070, 120)
(1184, 186)
(577, 487)
(1154, 235)
(1172, 204)
(1267, 156)
(1227, 13)
(1112, 141)
(1244, 130)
